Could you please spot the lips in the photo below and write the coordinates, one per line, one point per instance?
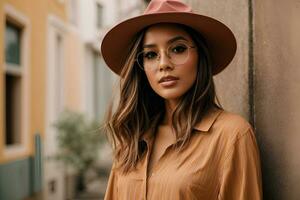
(168, 78)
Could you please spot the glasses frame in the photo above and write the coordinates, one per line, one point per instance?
(166, 53)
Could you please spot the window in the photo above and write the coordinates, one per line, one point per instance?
(13, 109)
(13, 84)
(102, 86)
(12, 43)
(58, 67)
(99, 14)
(73, 11)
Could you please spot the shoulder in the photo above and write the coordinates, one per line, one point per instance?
(232, 121)
(231, 126)
(233, 134)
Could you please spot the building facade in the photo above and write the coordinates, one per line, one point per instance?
(49, 61)
(23, 49)
(80, 83)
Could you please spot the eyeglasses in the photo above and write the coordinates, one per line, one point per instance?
(178, 53)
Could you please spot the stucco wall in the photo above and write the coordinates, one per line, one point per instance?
(277, 95)
(276, 90)
(232, 83)
(30, 15)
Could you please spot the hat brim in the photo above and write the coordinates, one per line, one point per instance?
(219, 38)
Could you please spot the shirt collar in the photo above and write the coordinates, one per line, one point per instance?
(208, 120)
(204, 125)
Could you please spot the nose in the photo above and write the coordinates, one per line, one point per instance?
(164, 62)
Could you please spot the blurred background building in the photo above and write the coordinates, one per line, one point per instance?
(50, 61)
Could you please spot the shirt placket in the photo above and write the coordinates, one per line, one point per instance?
(155, 168)
(149, 148)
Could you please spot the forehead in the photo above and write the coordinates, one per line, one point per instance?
(161, 33)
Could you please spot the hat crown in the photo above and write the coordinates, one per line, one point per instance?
(163, 6)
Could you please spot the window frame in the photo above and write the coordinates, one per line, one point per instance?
(99, 23)
(74, 12)
(17, 18)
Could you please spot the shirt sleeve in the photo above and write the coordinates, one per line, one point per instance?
(112, 186)
(241, 172)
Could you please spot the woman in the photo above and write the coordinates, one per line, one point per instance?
(171, 139)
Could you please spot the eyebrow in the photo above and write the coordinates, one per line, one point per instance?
(168, 42)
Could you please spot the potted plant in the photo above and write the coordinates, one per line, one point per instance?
(79, 141)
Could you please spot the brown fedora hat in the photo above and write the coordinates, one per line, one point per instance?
(219, 38)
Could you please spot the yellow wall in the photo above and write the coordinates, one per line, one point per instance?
(59, 9)
(36, 12)
(73, 72)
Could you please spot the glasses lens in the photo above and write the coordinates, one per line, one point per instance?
(178, 53)
(147, 59)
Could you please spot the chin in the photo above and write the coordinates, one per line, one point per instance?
(170, 95)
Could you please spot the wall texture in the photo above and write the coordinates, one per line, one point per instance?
(18, 168)
(268, 40)
(277, 95)
(232, 83)
(15, 179)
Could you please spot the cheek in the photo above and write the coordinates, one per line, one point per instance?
(190, 70)
(151, 79)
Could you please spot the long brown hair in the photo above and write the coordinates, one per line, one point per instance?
(140, 108)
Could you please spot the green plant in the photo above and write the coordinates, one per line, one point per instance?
(79, 141)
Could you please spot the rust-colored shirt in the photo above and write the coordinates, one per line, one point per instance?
(221, 162)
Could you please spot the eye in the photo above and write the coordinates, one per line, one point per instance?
(179, 48)
(149, 55)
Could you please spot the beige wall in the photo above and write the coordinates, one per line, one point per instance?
(276, 91)
(74, 72)
(277, 95)
(232, 83)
